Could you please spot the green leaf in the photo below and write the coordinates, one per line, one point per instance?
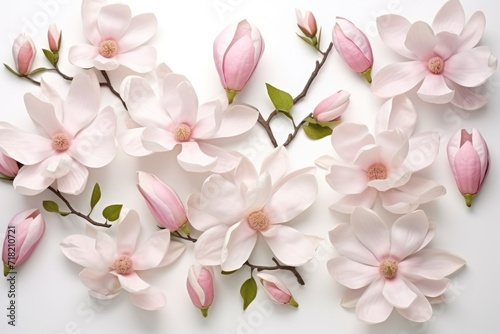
(51, 206)
(311, 120)
(11, 70)
(38, 70)
(316, 131)
(112, 212)
(96, 196)
(281, 100)
(228, 272)
(6, 269)
(51, 57)
(248, 292)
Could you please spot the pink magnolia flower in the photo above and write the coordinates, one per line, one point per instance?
(163, 202)
(23, 235)
(8, 166)
(54, 38)
(111, 266)
(200, 286)
(307, 23)
(332, 107)
(174, 119)
(247, 205)
(353, 47)
(73, 135)
(276, 290)
(116, 38)
(444, 60)
(387, 267)
(469, 161)
(23, 51)
(237, 51)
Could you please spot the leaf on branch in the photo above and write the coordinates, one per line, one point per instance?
(11, 70)
(51, 57)
(112, 212)
(281, 100)
(51, 206)
(38, 70)
(316, 131)
(248, 292)
(96, 196)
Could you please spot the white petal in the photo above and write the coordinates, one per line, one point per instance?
(128, 232)
(28, 149)
(140, 60)
(397, 113)
(74, 181)
(132, 282)
(276, 164)
(289, 245)
(208, 248)
(81, 250)
(371, 231)
(83, 55)
(43, 115)
(372, 307)
(473, 31)
(113, 20)
(408, 233)
(158, 140)
(467, 98)
(226, 161)
(396, 79)
(238, 245)
(175, 249)
(150, 300)
(431, 263)
(423, 149)
(193, 159)
(347, 179)
(141, 28)
(397, 292)
(31, 180)
(393, 30)
(348, 245)
(421, 41)
(236, 120)
(349, 138)
(451, 17)
(152, 252)
(131, 142)
(420, 310)
(351, 274)
(435, 90)
(101, 282)
(469, 68)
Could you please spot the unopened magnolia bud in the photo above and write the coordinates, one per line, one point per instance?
(276, 290)
(23, 51)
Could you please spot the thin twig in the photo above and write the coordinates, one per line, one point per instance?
(278, 266)
(296, 129)
(64, 76)
(32, 80)
(180, 236)
(111, 88)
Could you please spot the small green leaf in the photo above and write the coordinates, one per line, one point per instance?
(311, 120)
(51, 206)
(64, 214)
(6, 269)
(11, 70)
(281, 100)
(96, 196)
(38, 70)
(112, 212)
(316, 131)
(228, 272)
(248, 292)
(51, 57)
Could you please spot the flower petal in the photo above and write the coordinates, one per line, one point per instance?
(83, 55)
(151, 253)
(451, 17)
(257, 194)
(347, 179)
(175, 249)
(101, 282)
(429, 287)
(276, 164)
(113, 20)
(420, 310)
(128, 232)
(351, 274)
(371, 231)
(469, 68)
(421, 41)
(31, 180)
(208, 248)
(372, 307)
(43, 115)
(473, 31)
(141, 29)
(397, 113)
(81, 250)
(105, 64)
(183, 107)
(423, 150)
(351, 297)
(394, 147)
(348, 245)
(225, 160)
(141, 59)
(28, 149)
(407, 234)
(467, 98)
(431, 263)
(397, 293)
(209, 120)
(238, 245)
(158, 140)
(132, 282)
(74, 181)
(130, 142)
(150, 300)
(435, 90)
(349, 138)
(289, 245)
(193, 159)
(393, 30)
(396, 79)
(236, 120)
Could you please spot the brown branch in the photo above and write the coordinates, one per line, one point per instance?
(111, 88)
(176, 234)
(278, 266)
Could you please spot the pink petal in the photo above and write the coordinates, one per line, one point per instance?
(238, 245)
(113, 20)
(28, 149)
(74, 181)
(325, 162)
(141, 59)
(152, 252)
(128, 232)
(397, 113)
(348, 203)
(397, 293)
(371, 231)
(208, 248)
(31, 180)
(90, 11)
(423, 150)
(105, 64)
(421, 41)
(158, 140)
(132, 282)
(150, 300)
(101, 282)
(183, 108)
(239, 63)
(435, 90)
(175, 249)
(236, 120)
(276, 164)
(467, 169)
(193, 159)
(473, 31)
(398, 78)
(351, 297)
(393, 30)
(394, 147)
(372, 307)
(106, 247)
(469, 68)
(258, 194)
(451, 17)
(428, 287)
(131, 142)
(408, 233)
(51, 95)
(81, 250)
(43, 115)
(467, 98)
(349, 138)
(141, 29)
(289, 245)
(420, 310)
(348, 245)
(347, 179)
(209, 122)
(352, 274)
(431, 263)
(481, 148)
(225, 160)
(83, 55)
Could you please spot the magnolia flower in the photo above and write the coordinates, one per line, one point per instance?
(174, 119)
(307, 23)
(444, 61)
(469, 161)
(54, 38)
(200, 286)
(73, 135)
(116, 38)
(276, 290)
(234, 210)
(111, 266)
(21, 238)
(386, 267)
(23, 51)
(237, 51)
(331, 108)
(8, 166)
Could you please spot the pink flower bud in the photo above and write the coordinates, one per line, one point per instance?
(200, 286)
(163, 202)
(469, 161)
(54, 37)
(8, 166)
(23, 234)
(307, 23)
(353, 46)
(331, 108)
(237, 51)
(276, 290)
(23, 51)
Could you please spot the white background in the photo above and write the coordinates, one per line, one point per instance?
(50, 297)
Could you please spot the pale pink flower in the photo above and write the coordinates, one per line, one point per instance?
(23, 51)
(8, 166)
(444, 63)
(73, 135)
(233, 211)
(276, 290)
(173, 119)
(116, 38)
(307, 23)
(331, 108)
(54, 38)
(23, 234)
(111, 266)
(387, 267)
(200, 286)
(469, 160)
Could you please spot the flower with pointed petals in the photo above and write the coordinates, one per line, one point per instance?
(383, 164)
(174, 119)
(387, 267)
(73, 135)
(111, 266)
(116, 38)
(233, 211)
(276, 290)
(444, 60)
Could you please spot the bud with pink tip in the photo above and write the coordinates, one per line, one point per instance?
(469, 161)
(331, 108)
(163, 202)
(54, 38)
(276, 290)
(237, 51)
(200, 286)
(8, 166)
(307, 23)
(23, 51)
(353, 46)
(21, 238)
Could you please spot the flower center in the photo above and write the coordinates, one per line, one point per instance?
(182, 132)
(436, 65)
(258, 220)
(108, 48)
(60, 141)
(388, 268)
(123, 265)
(377, 172)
